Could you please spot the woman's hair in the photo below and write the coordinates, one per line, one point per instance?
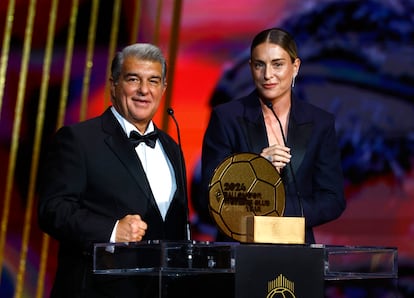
(141, 51)
(279, 37)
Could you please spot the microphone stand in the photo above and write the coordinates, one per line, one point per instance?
(189, 247)
(170, 112)
(270, 106)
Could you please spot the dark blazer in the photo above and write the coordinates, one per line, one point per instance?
(238, 126)
(92, 177)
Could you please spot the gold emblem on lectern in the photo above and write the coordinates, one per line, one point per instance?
(281, 287)
(244, 184)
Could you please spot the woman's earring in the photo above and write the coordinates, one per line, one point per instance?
(293, 81)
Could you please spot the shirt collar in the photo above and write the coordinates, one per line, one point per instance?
(128, 126)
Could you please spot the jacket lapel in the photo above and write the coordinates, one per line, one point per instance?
(299, 132)
(120, 145)
(253, 123)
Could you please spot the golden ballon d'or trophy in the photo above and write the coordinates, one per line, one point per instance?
(247, 202)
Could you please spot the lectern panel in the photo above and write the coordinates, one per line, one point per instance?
(279, 271)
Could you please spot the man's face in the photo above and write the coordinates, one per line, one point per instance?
(138, 92)
(272, 70)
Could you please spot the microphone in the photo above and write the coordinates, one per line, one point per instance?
(270, 106)
(170, 112)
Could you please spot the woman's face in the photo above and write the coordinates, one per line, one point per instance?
(273, 71)
(138, 92)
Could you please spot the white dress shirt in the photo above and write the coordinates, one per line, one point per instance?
(157, 167)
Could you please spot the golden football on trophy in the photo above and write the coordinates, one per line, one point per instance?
(244, 184)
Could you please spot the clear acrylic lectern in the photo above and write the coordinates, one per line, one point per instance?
(252, 270)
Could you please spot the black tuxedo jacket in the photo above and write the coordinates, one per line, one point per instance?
(92, 177)
(238, 126)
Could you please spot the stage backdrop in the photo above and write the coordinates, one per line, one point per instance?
(357, 62)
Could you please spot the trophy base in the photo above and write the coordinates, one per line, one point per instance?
(277, 230)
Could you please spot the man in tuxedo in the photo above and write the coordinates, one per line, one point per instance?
(114, 178)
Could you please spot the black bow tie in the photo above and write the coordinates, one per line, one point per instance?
(149, 139)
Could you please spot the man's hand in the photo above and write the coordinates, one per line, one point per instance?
(131, 228)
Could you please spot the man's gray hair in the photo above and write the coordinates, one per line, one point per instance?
(141, 51)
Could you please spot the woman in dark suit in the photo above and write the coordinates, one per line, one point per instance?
(297, 137)
(100, 185)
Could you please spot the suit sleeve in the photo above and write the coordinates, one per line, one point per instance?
(216, 147)
(62, 211)
(327, 200)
